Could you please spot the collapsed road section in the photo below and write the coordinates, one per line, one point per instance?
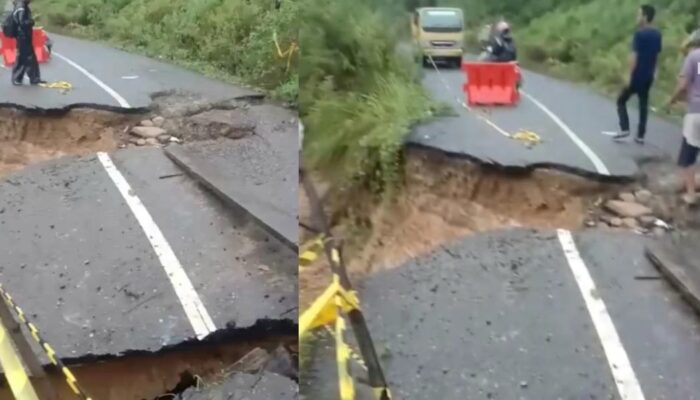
(116, 253)
(483, 283)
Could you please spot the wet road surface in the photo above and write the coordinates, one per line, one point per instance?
(502, 316)
(93, 274)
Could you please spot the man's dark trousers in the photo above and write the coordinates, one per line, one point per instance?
(641, 89)
(26, 61)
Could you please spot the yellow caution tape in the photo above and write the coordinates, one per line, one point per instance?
(11, 364)
(289, 53)
(353, 354)
(50, 352)
(324, 310)
(337, 302)
(345, 383)
(309, 252)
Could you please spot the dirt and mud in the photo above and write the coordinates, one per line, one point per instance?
(443, 199)
(27, 139)
(166, 375)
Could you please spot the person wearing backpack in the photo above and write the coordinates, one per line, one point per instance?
(21, 28)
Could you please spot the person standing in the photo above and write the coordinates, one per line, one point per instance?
(646, 45)
(689, 84)
(26, 63)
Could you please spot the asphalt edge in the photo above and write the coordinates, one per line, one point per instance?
(64, 110)
(526, 169)
(228, 200)
(674, 274)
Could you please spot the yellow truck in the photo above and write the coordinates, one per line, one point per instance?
(439, 33)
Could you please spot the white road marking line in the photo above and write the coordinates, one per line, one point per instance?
(199, 318)
(620, 366)
(597, 162)
(122, 102)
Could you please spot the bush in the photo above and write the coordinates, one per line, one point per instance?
(360, 93)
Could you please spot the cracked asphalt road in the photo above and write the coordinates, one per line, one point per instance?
(561, 113)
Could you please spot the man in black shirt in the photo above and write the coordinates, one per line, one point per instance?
(646, 47)
(26, 63)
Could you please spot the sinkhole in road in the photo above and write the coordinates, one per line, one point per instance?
(446, 198)
(168, 374)
(443, 199)
(28, 138)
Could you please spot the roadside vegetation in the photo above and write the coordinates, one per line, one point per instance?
(360, 92)
(227, 39)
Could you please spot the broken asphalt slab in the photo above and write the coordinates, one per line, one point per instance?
(678, 258)
(257, 193)
(107, 78)
(258, 375)
(77, 261)
(257, 173)
(500, 315)
(241, 386)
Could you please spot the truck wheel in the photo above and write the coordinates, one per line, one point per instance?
(457, 61)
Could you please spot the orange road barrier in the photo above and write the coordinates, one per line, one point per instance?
(491, 83)
(8, 47)
(40, 39)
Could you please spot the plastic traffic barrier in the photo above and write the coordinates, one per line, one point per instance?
(491, 83)
(8, 47)
(40, 50)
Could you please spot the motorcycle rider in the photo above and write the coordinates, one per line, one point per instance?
(501, 47)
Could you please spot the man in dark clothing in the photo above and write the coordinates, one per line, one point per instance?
(646, 45)
(26, 63)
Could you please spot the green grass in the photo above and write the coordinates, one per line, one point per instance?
(359, 95)
(592, 42)
(226, 39)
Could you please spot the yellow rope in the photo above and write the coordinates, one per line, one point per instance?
(289, 53)
(60, 85)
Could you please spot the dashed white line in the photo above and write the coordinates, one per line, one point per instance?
(199, 318)
(597, 162)
(122, 102)
(620, 366)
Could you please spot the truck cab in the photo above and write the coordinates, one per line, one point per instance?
(439, 33)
